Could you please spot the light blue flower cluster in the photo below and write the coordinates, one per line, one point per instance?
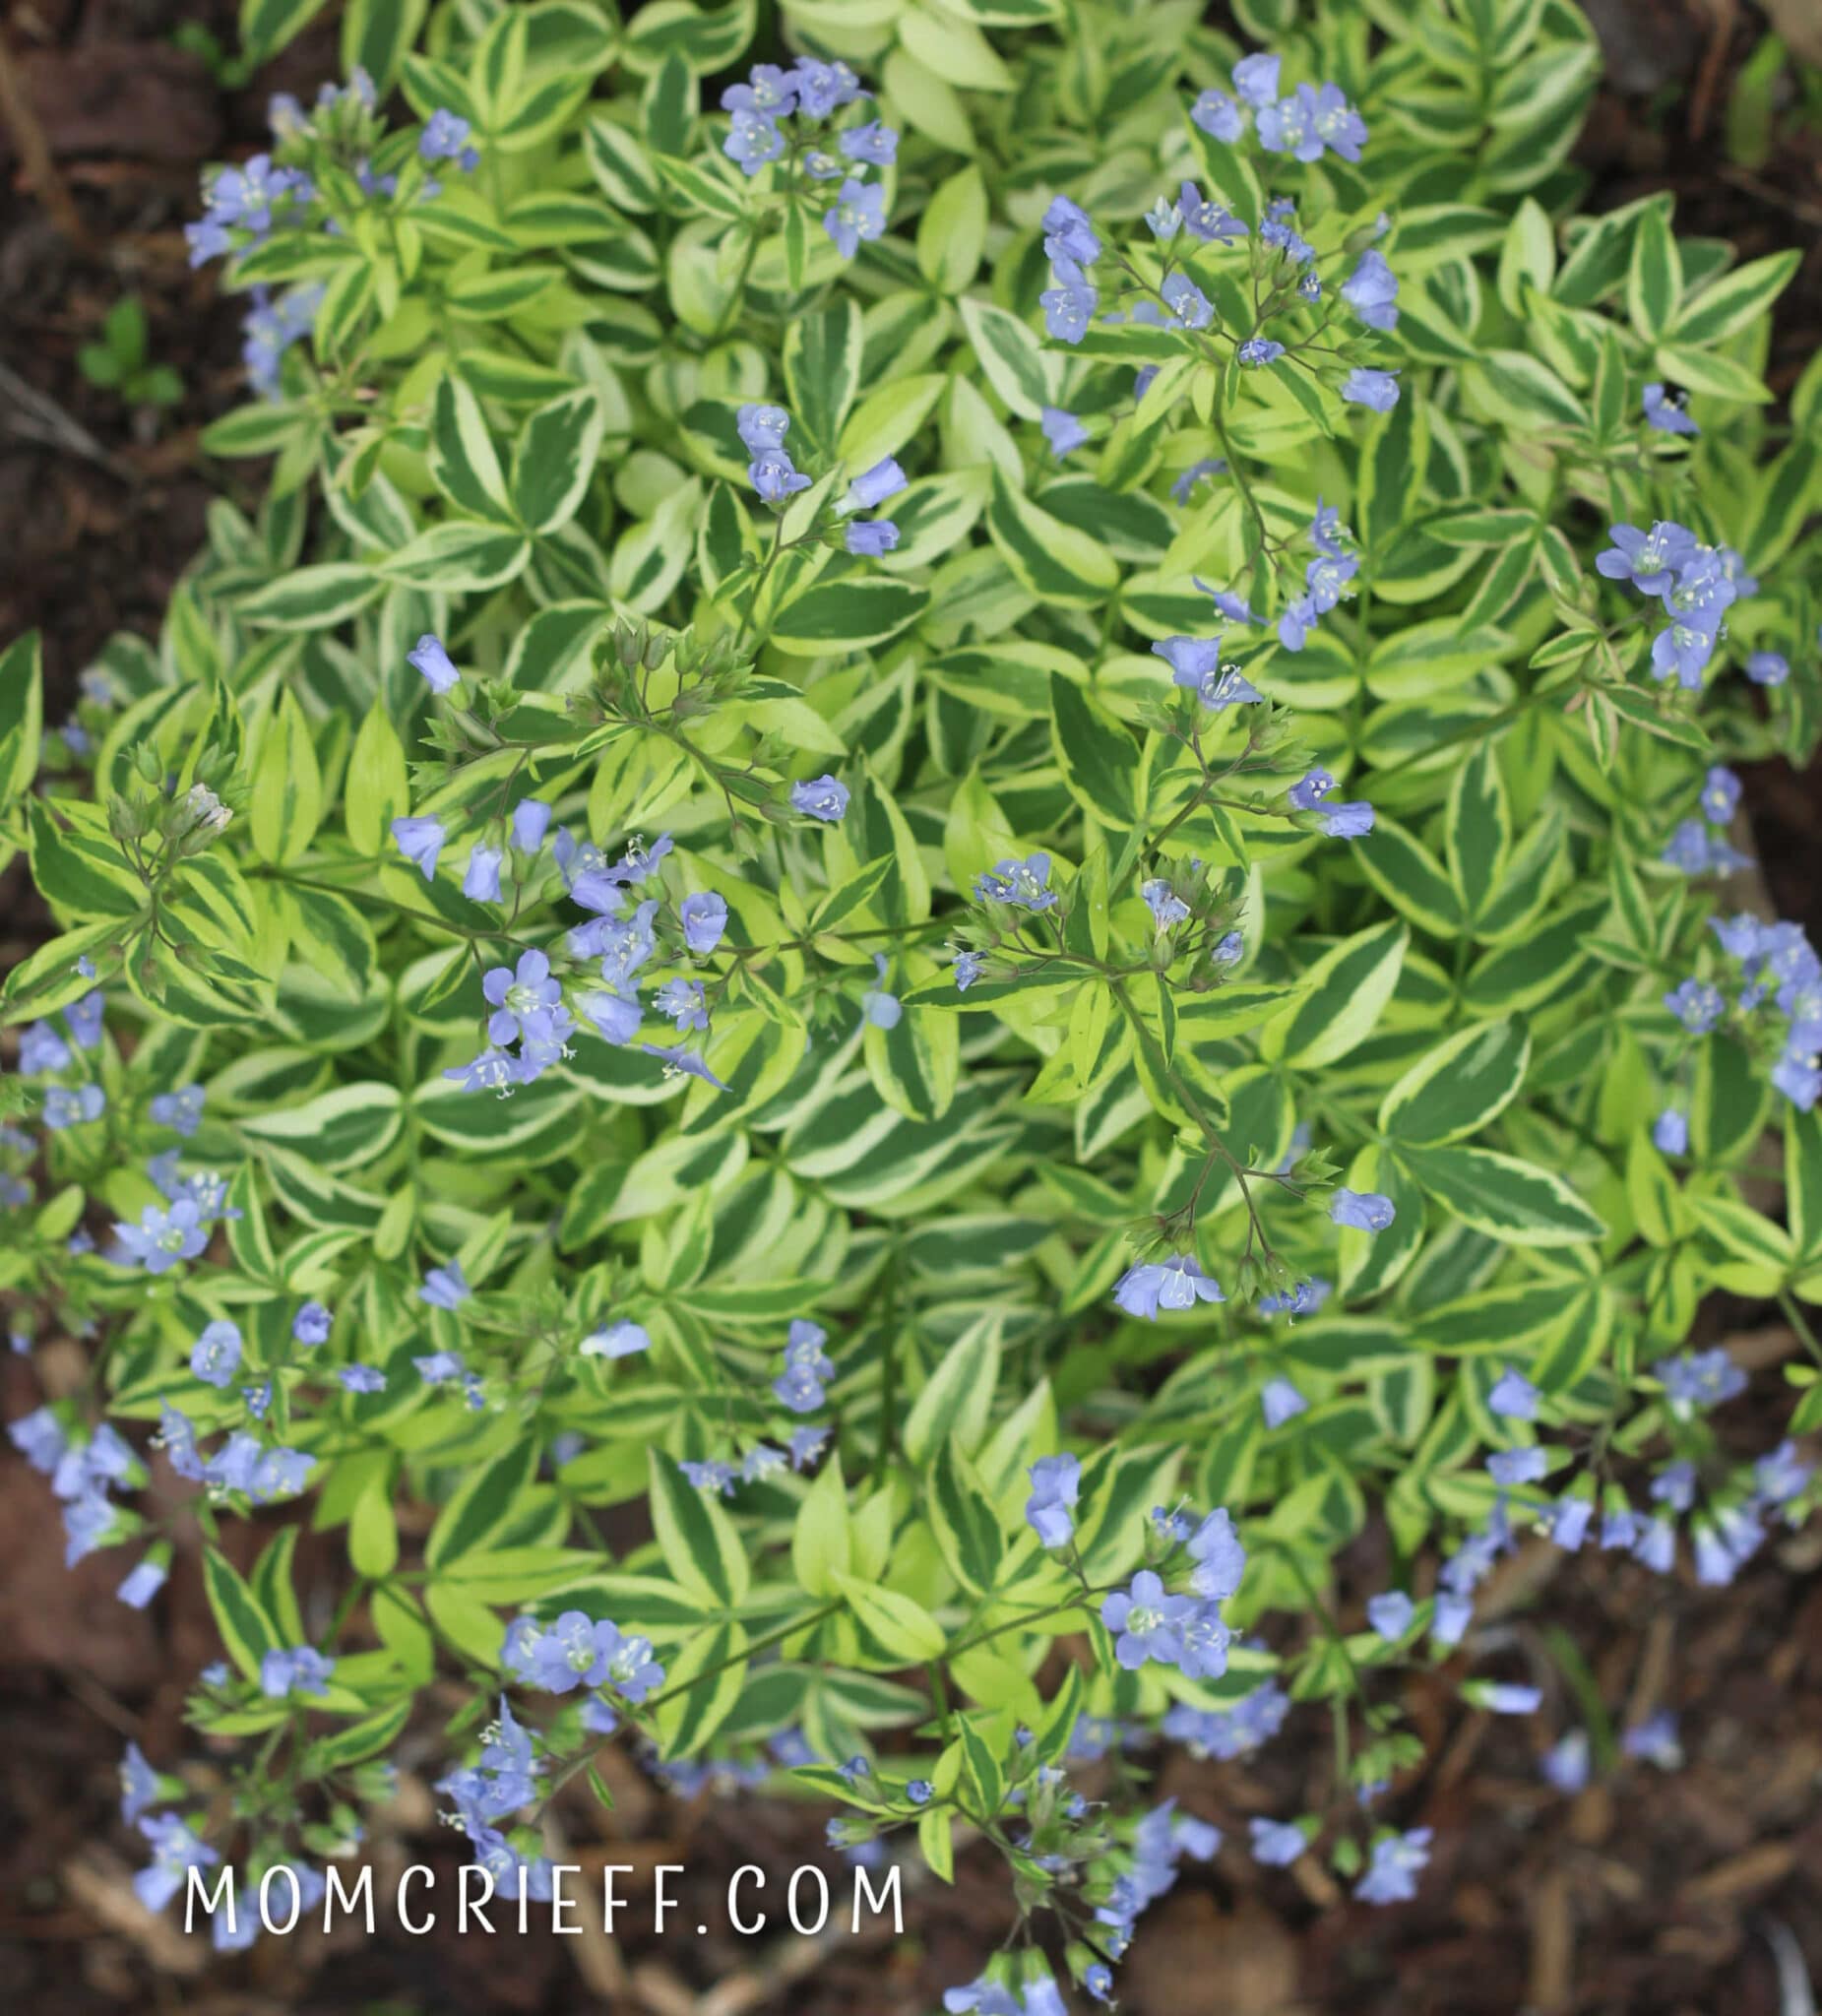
(1695, 584)
(1777, 1005)
(1185, 1630)
(808, 94)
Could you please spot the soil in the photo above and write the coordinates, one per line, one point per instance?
(1667, 1893)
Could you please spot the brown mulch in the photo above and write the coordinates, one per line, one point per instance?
(1667, 1894)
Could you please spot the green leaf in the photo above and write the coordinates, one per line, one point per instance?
(697, 1538)
(287, 804)
(463, 463)
(248, 1631)
(1503, 1197)
(958, 1398)
(314, 597)
(1055, 561)
(1655, 277)
(906, 1629)
(1345, 991)
(1017, 366)
(822, 371)
(1099, 758)
(852, 613)
(485, 1505)
(558, 449)
(1460, 1087)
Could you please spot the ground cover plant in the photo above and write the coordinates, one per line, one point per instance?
(963, 813)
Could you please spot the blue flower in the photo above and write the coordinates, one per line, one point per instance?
(141, 1586)
(1255, 79)
(175, 1851)
(775, 476)
(1513, 1397)
(874, 142)
(1023, 884)
(1189, 306)
(1277, 1843)
(361, 1378)
(1366, 1211)
(704, 917)
(1148, 1624)
(870, 539)
(1220, 1559)
(1196, 662)
(1069, 306)
(1719, 794)
(1700, 1379)
(1177, 1283)
(182, 1111)
(762, 427)
(1349, 822)
(1654, 1741)
(66, 1107)
(531, 822)
(480, 881)
(824, 798)
(1260, 349)
(615, 1016)
(682, 1000)
(768, 90)
(880, 1008)
(1062, 431)
(1281, 1402)
(419, 840)
(713, 1476)
(1767, 669)
(1504, 1697)
(1397, 1861)
(493, 1070)
(1390, 1613)
(1210, 222)
(217, 1354)
(1056, 1482)
(873, 487)
(85, 1020)
(1650, 560)
(1294, 623)
(1697, 1004)
(434, 663)
(752, 141)
(1670, 1132)
(616, 1341)
(163, 1238)
(1377, 389)
(1509, 1466)
(42, 1050)
(1664, 411)
(824, 88)
(298, 1671)
(1370, 291)
(967, 971)
(445, 138)
(859, 213)
(1069, 234)
(679, 1062)
(444, 1288)
(1219, 116)
(1167, 906)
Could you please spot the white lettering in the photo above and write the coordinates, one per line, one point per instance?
(429, 1876)
(194, 1888)
(662, 1902)
(279, 1870)
(363, 1893)
(878, 1904)
(822, 1885)
(613, 1904)
(559, 1903)
(734, 1905)
(480, 1907)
